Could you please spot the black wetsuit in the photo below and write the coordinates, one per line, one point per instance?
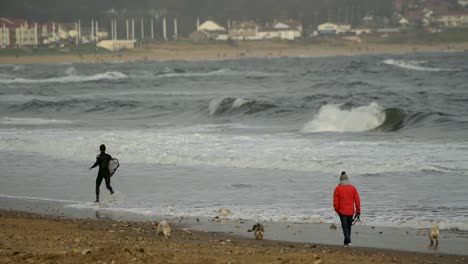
(103, 161)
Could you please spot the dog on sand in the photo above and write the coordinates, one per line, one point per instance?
(164, 229)
(259, 231)
(434, 234)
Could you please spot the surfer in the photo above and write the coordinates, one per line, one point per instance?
(103, 161)
(345, 199)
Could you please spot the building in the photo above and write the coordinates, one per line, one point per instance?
(26, 36)
(288, 29)
(452, 19)
(327, 29)
(116, 45)
(245, 30)
(209, 30)
(333, 29)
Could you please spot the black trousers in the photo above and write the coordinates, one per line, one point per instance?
(346, 223)
(103, 174)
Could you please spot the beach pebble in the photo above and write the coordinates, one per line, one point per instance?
(318, 261)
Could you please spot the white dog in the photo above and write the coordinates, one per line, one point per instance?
(164, 229)
(434, 234)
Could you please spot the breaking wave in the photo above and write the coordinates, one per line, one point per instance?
(227, 105)
(373, 117)
(69, 78)
(332, 118)
(413, 65)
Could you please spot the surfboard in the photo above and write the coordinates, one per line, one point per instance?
(113, 165)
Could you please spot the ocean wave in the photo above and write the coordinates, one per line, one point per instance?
(413, 65)
(373, 117)
(80, 105)
(178, 72)
(31, 121)
(69, 78)
(228, 105)
(332, 118)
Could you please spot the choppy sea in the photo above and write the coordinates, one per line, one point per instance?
(265, 138)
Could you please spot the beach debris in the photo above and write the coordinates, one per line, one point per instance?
(332, 226)
(163, 229)
(224, 212)
(216, 219)
(380, 232)
(86, 251)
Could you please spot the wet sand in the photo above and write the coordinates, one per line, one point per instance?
(165, 51)
(49, 232)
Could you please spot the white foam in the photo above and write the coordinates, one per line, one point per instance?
(333, 119)
(31, 121)
(272, 152)
(413, 65)
(70, 78)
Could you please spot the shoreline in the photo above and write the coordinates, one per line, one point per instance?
(31, 238)
(243, 50)
(387, 239)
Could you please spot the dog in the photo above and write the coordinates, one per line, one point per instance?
(224, 212)
(434, 234)
(259, 231)
(164, 229)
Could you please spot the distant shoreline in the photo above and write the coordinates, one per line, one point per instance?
(240, 50)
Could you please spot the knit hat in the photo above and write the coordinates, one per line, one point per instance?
(344, 179)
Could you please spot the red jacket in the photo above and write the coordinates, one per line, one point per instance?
(345, 198)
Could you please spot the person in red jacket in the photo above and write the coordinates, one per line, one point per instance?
(346, 203)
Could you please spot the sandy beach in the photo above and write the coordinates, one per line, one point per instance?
(32, 238)
(217, 51)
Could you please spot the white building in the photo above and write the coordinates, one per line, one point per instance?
(333, 29)
(288, 29)
(25, 36)
(4, 37)
(244, 30)
(452, 19)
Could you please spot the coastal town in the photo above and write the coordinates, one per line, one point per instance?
(116, 32)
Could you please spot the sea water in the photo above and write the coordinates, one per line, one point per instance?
(265, 138)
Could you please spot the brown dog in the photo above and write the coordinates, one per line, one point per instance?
(259, 231)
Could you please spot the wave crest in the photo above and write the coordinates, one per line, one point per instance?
(227, 105)
(332, 118)
(69, 78)
(413, 65)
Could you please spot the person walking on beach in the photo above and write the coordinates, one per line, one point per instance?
(102, 160)
(346, 202)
